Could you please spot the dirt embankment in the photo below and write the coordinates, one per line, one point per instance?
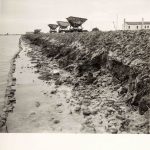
(110, 73)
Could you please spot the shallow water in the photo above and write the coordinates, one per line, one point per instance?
(8, 47)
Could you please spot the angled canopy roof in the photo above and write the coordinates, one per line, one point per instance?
(53, 26)
(76, 21)
(63, 24)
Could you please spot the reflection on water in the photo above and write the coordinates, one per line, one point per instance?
(8, 47)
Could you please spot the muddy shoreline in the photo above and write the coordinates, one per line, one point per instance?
(101, 105)
(106, 80)
(69, 99)
(9, 99)
(41, 106)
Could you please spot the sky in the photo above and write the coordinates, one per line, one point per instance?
(20, 16)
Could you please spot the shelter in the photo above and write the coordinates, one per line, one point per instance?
(53, 28)
(63, 26)
(76, 23)
(137, 25)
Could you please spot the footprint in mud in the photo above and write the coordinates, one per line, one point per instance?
(56, 121)
(32, 114)
(60, 111)
(51, 119)
(37, 104)
(54, 91)
(59, 104)
(59, 107)
(67, 100)
(45, 93)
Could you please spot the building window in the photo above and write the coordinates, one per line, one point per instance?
(128, 27)
(147, 26)
(137, 27)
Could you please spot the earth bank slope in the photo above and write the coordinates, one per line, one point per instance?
(119, 60)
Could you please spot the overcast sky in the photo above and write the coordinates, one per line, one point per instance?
(19, 16)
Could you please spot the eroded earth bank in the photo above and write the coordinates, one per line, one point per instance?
(94, 82)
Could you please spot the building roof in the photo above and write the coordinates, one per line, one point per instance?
(138, 23)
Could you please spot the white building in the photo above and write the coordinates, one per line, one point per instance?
(136, 25)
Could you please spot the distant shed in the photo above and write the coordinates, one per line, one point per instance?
(145, 25)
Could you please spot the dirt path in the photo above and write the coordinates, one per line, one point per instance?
(40, 107)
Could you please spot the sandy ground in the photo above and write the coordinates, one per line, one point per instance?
(36, 109)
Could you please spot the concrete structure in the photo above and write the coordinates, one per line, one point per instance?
(136, 25)
(63, 26)
(76, 23)
(53, 28)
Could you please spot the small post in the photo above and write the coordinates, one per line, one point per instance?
(124, 23)
(117, 23)
(142, 23)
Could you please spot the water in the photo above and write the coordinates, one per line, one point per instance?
(8, 47)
